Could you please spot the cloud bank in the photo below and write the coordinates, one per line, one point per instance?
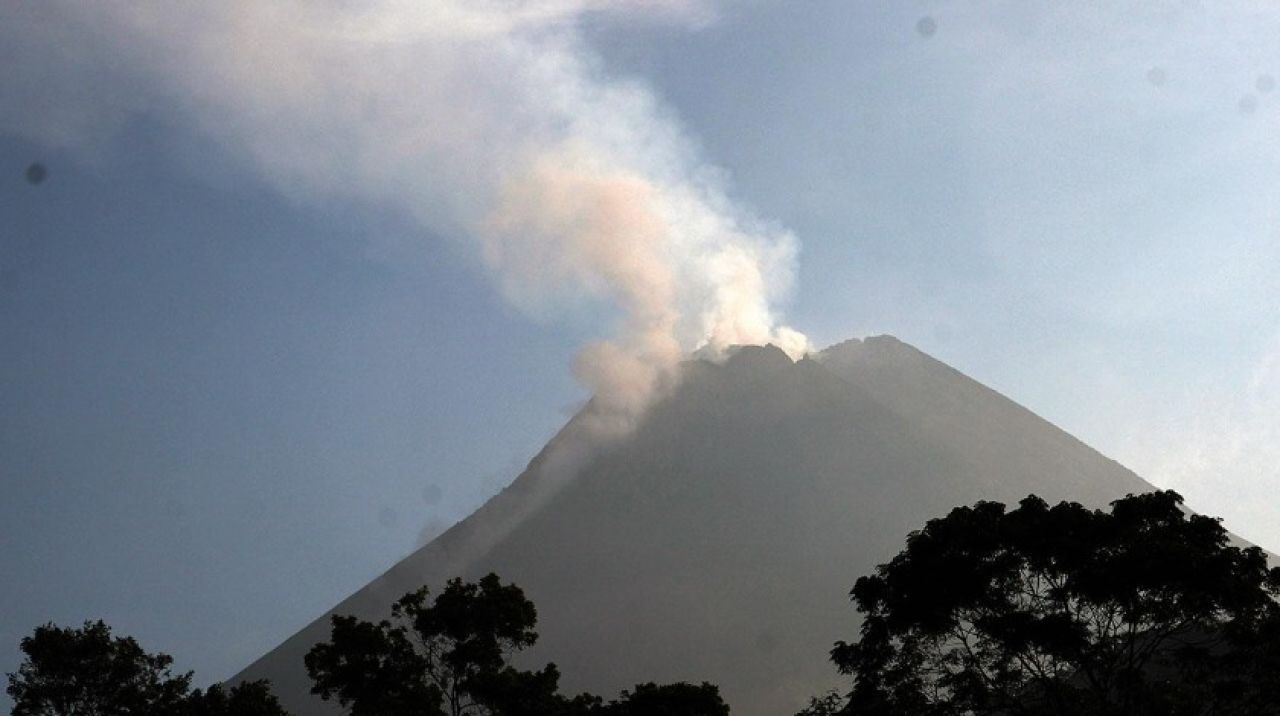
(488, 120)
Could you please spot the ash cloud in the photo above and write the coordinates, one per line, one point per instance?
(491, 121)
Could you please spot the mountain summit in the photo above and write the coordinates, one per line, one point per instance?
(719, 540)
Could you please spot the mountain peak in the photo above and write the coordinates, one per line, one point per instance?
(719, 540)
(766, 357)
(883, 345)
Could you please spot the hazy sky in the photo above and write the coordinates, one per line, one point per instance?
(261, 333)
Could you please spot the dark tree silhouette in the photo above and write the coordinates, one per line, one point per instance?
(251, 698)
(829, 704)
(1065, 610)
(679, 699)
(451, 657)
(88, 672)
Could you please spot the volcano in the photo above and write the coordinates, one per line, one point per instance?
(718, 541)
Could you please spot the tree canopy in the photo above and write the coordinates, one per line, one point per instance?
(451, 657)
(443, 657)
(251, 698)
(678, 699)
(1144, 609)
(88, 672)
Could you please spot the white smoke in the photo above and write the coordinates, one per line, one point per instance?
(490, 120)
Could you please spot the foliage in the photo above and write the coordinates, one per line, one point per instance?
(1065, 610)
(829, 704)
(70, 671)
(251, 698)
(87, 671)
(679, 699)
(373, 669)
(451, 657)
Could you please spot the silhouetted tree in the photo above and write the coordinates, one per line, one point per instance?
(88, 672)
(1065, 610)
(251, 698)
(829, 704)
(450, 657)
(373, 669)
(679, 699)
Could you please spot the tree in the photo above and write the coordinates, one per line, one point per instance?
(251, 698)
(1065, 610)
(451, 657)
(446, 657)
(828, 704)
(87, 671)
(679, 699)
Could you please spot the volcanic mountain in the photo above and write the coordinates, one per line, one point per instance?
(718, 541)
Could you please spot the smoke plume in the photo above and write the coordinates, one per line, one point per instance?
(488, 120)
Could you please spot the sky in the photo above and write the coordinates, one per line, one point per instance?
(298, 286)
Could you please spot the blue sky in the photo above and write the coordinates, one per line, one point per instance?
(253, 355)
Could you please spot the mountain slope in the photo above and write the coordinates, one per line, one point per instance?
(719, 540)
